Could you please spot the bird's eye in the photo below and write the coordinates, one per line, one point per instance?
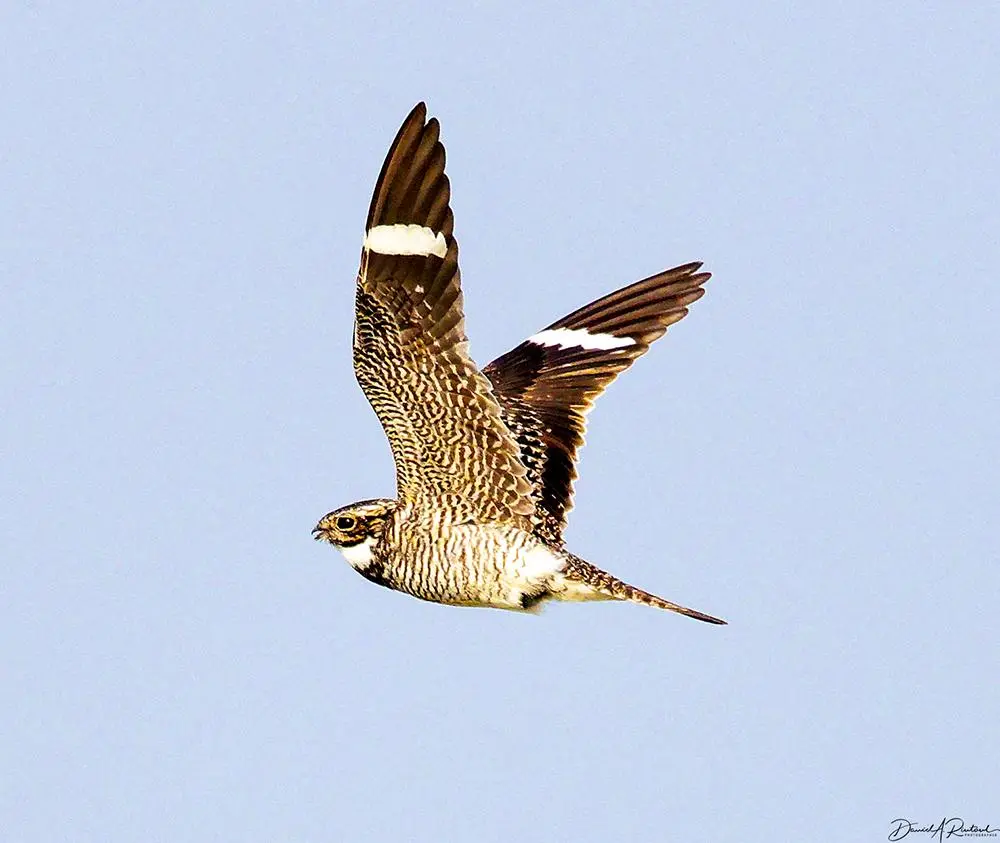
(345, 522)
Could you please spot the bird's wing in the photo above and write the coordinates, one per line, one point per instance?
(451, 448)
(547, 384)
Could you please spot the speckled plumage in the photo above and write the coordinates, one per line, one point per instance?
(485, 460)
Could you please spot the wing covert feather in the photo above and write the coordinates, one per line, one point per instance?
(451, 448)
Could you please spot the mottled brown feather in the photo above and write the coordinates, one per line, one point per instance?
(452, 452)
(546, 391)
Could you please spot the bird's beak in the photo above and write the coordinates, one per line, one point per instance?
(318, 533)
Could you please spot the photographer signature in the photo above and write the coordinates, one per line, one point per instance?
(948, 827)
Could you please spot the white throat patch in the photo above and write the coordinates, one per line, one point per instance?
(359, 556)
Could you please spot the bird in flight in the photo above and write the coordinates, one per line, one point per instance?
(485, 459)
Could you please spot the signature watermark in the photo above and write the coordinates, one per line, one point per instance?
(941, 831)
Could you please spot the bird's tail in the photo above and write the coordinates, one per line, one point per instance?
(613, 588)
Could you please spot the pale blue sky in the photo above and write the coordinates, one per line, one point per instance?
(813, 454)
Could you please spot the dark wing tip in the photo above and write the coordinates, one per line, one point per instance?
(643, 310)
(416, 137)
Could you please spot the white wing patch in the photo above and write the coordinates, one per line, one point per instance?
(403, 239)
(580, 338)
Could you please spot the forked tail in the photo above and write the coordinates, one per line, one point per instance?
(616, 589)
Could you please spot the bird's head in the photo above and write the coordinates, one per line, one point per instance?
(355, 529)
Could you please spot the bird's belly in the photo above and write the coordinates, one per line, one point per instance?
(476, 565)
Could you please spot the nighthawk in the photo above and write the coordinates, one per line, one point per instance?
(485, 459)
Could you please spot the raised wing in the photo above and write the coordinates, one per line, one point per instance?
(451, 448)
(547, 385)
